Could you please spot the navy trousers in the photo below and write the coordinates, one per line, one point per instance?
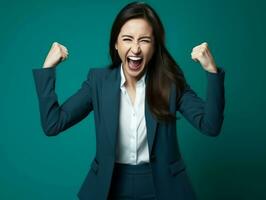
(132, 182)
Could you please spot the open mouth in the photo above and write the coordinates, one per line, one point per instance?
(134, 62)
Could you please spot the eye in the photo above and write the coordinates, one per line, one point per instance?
(126, 39)
(146, 41)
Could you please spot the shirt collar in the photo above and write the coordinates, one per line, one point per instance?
(140, 82)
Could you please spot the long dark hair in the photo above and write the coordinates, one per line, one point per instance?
(162, 70)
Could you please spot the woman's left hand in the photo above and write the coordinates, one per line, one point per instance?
(202, 54)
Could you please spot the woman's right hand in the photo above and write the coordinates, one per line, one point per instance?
(56, 55)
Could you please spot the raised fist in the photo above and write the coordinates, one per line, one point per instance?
(202, 54)
(57, 54)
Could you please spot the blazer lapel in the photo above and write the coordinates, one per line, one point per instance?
(111, 105)
(111, 108)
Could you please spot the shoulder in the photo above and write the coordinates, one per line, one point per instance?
(102, 73)
(96, 71)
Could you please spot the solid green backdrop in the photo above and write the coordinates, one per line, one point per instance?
(34, 166)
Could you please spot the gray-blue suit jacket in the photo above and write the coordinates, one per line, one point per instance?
(100, 93)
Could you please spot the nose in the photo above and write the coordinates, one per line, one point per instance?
(135, 48)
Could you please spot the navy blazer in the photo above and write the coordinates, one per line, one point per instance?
(100, 93)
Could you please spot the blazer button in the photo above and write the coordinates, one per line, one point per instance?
(153, 156)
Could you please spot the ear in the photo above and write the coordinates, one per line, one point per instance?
(116, 46)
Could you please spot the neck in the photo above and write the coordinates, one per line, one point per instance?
(130, 82)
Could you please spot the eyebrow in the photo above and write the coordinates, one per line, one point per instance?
(142, 37)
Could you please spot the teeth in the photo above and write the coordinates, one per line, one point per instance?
(134, 58)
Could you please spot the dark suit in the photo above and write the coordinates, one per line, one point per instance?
(100, 93)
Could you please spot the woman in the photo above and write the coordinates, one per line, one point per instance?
(135, 101)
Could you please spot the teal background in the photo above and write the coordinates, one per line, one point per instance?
(34, 166)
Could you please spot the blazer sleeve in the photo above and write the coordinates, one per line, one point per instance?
(206, 116)
(56, 118)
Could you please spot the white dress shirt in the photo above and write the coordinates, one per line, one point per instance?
(132, 144)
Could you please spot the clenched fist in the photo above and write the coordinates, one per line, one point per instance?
(57, 54)
(202, 54)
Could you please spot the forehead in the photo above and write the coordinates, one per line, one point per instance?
(136, 27)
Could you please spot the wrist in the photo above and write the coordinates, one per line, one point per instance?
(47, 66)
(214, 71)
